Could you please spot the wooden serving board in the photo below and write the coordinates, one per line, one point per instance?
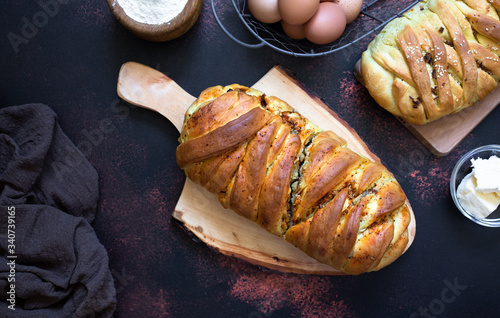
(443, 135)
(200, 210)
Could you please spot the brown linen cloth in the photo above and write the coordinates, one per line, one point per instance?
(61, 268)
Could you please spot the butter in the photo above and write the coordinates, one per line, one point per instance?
(479, 191)
(487, 173)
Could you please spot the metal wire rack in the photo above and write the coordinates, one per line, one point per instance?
(374, 15)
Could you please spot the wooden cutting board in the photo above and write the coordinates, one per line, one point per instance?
(443, 135)
(200, 210)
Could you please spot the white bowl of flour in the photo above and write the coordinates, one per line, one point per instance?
(156, 20)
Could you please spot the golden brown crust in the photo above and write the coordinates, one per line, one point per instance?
(324, 225)
(347, 234)
(439, 58)
(249, 178)
(324, 179)
(272, 166)
(223, 138)
(276, 188)
(370, 248)
(495, 3)
(485, 25)
(409, 44)
(220, 178)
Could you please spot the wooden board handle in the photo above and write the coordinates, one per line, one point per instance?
(146, 87)
(199, 210)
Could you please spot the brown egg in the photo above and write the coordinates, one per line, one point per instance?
(265, 11)
(297, 11)
(294, 31)
(352, 8)
(327, 24)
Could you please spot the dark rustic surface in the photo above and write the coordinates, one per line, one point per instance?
(70, 61)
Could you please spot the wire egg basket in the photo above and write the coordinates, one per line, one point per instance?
(374, 15)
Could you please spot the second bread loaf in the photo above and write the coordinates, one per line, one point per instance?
(440, 57)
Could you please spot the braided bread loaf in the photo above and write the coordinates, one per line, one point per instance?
(272, 166)
(439, 58)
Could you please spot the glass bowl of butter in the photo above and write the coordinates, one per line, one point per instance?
(475, 185)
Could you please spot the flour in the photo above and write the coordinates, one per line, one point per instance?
(152, 11)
